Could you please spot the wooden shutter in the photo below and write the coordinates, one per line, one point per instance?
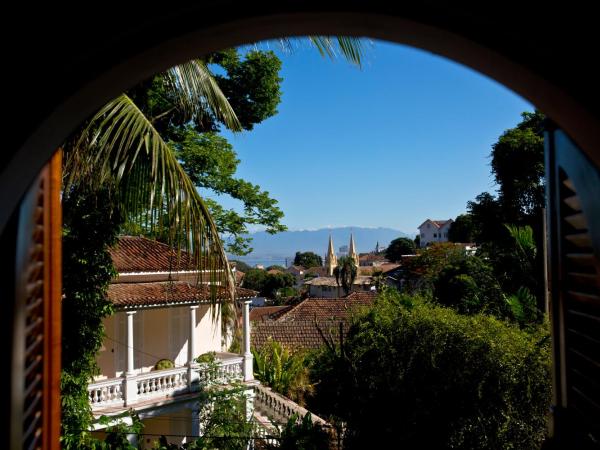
(574, 281)
(35, 396)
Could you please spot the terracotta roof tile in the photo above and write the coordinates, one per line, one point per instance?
(331, 281)
(266, 312)
(372, 257)
(327, 308)
(317, 270)
(139, 254)
(126, 295)
(295, 335)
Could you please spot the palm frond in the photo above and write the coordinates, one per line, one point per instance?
(197, 90)
(351, 48)
(120, 142)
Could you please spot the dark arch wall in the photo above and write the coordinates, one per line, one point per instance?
(65, 63)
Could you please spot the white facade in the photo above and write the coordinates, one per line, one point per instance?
(432, 231)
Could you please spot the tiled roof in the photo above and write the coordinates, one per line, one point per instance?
(330, 281)
(327, 308)
(127, 295)
(266, 312)
(372, 257)
(436, 223)
(139, 254)
(317, 270)
(295, 335)
(367, 271)
(298, 327)
(239, 275)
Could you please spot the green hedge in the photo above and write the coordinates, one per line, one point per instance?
(423, 376)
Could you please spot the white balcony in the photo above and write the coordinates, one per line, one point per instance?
(116, 394)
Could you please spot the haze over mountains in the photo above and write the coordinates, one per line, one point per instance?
(285, 245)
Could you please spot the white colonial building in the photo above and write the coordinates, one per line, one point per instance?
(432, 231)
(164, 312)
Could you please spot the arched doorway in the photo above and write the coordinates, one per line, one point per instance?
(96, 59)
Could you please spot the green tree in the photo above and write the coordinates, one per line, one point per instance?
(90, 227)
(478, 382)
(345, 273)
(117, 167)
(422, 270)
(518, 167)
(267, 284)
(398, 247)
(251, 85)
(462, 229)
(469, 286)
(276, 282)
(307, 260)
(255, 279)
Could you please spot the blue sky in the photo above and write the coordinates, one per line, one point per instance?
(405, 138)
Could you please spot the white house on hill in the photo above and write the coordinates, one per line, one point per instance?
(432, 231)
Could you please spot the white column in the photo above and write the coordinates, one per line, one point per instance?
(193, 374)
(130, 359)
(248, 370)
(130, 382)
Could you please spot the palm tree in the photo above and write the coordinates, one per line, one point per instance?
(345, 273)
(121, 144)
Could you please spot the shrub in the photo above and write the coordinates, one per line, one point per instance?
(424, 376)
(164, 364)
(469, 286)
(282, 370)
(300, 433)
(208, 357)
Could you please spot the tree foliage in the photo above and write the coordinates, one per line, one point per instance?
(462, 229)
(345, 273)
(267, 284)
(90, 226)
(398, 247)
(462, 382)
(468, 285)
(251, 84)
(283, 370)
(308, 260)
(301, 433)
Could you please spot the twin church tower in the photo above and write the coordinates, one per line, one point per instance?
(331, 259)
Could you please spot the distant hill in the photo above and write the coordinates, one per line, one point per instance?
(284, 245)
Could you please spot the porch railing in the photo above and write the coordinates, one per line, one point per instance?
(279, 408)
(126, 391)
(162, 383)
(106, 393)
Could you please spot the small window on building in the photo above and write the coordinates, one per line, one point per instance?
(434, 235)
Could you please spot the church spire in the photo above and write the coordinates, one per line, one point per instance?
(330, 259)
(352, 251)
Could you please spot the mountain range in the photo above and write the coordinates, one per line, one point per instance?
(285, 245)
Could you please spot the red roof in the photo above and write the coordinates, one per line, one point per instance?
(126, 295)
(140, 254)
(317, 270)
(266, 312)
(327, 308)
(436, 223)
(295, 335)
(304, 325)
